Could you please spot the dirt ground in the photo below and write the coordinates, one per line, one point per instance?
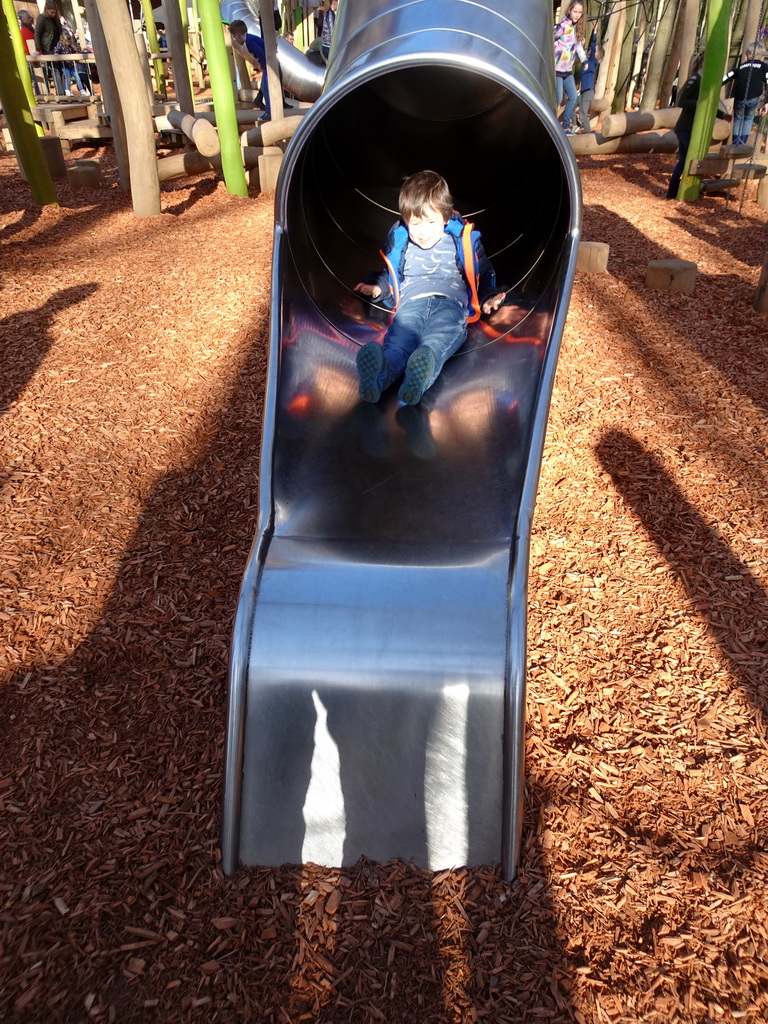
(133, 366)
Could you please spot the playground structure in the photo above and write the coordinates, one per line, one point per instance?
(127, 110)
(377, 686)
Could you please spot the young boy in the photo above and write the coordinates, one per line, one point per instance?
(437, 279)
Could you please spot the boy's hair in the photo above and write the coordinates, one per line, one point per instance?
(238, 26)
(425, 190)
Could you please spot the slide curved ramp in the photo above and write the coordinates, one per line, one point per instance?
(377, 677)
(298, 74)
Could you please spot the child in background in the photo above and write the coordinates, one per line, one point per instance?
(70, 74)
(437, 278)
(329, 9)
(589, 69)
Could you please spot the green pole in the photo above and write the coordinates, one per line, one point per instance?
(21, 57)
(716, 54)
(223, 97)
(149, 24)
(19, 118)
(185, 31)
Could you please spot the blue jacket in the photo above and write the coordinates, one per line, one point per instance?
(477, 270)
(590, 66)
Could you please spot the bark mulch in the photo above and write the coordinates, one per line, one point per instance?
(130, 406)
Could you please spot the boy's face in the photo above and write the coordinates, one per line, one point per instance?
(427, 230)
(237, 37)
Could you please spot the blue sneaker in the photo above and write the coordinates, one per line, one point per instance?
(373, 371)
(418, 370)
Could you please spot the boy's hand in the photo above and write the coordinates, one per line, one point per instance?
(492, 304)
(371, 290)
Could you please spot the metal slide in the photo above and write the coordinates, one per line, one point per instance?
(297, 72)
(377, 678)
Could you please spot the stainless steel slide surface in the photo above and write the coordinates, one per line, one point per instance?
(377, 679)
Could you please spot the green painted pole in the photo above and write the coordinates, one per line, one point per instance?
(223, 97)
(187, 56)
(149, 25)
(21, 57)
(716, 54)
(19, 119)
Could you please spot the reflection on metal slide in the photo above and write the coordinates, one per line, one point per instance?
(377, 677)
(297, 72)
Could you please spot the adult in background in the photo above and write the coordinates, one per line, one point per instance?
(569, 44)
(750, 82)
(27, 28)
(47, 34)
(687, 98)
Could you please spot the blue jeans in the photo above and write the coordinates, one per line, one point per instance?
(71, 75)
(435, 321)
(743, 116)
(683, 142)
(566, 85)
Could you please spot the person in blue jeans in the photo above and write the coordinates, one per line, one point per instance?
(254, 45)
(437, 279)
(750, 83)
(568, 46)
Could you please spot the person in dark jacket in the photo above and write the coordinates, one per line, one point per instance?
(437, 278)
(589, 69)
(750, 82)
(687, 99)
(47, 34)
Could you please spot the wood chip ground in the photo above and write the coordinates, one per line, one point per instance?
(133, 367)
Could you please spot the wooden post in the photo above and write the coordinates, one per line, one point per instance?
(141, 49)
(139, 128)
(109, 94)
(761, 296)
(178, 44)
(269, 35)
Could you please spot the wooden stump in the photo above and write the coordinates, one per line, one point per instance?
(762, 193)
(80, 176)
(53, 151)
(269, 169)
(592, 257)
(671, 275)
(761, 295)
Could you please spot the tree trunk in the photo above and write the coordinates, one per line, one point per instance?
(109, 94)
(751, 24)
(271, 73)
(178, 45)
(689, 40)
(658, 56)
(139, 128)
(610, 38)
(624, 65)
(673, 61)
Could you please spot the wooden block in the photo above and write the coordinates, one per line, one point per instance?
(762, 194)
(269, 169)
(761, 296)
(735, 149)
(719, 184)
(7, 140)
(711, 164)
(54, 156)
(84, 177)
(592, 257)
(748, 171)
(671, 275)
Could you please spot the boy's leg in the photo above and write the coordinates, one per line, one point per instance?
(444, 332)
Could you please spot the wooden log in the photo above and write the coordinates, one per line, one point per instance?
(199, 130)
(762, 194)
(191, 163)
(276, 131)
(631, 121)
(643, 142)
(592, 257)
(269, 170)
(748, 171)
(761, 295)
(671, 275)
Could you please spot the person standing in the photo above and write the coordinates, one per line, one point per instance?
(47, 34)
(750, 82)
(687, 98)
(329, 21)
(589, 69)
(27, 27)
(568, 46)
